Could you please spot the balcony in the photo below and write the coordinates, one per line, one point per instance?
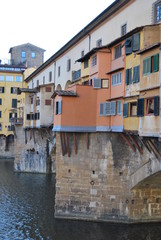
(16, 121)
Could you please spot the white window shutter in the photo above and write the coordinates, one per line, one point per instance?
(113, 108)
(101, 109)
(108, 109)
(96, 83)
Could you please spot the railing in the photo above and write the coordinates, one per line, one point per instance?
(76, 75)
(16, 121)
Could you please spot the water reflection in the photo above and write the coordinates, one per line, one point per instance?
(27, 212)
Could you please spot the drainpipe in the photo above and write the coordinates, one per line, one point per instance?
(89, 38)
(54, 88)
(160, 93)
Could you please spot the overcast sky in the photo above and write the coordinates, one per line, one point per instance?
(48, 24)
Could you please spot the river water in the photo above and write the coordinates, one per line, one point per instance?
(27, 212)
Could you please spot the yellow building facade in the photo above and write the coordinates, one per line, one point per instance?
(11, 78)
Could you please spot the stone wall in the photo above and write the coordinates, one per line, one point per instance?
(95, 183)
(7, 146)
(32, 150)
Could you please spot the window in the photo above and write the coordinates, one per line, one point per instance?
(125, 110)
(0, 127)
(157, 11)
(50, 76)
(27, 116)
(140, 107)
(10, 115)
(0, 114)
(48, 89)
(123, 29)
(58, 108)
(9, 78)
(128, 76)
(136, 42)
(107, 109)
(96, 82)
(33, 54)
(151, 64)
(18, 78)
(152, 106)
(105, 83)
(32, 100)
(37, 116)
(94, 60)
(13, 90)
(82, 53)
(37, 102)
(119, 103)
(37, 83)
(99, 43)
(47, 102)
(23, 54)
(1, 89)
(128, 45)
(0, 101)
(136, 74)
(2, 78)
(14, 103)
(68, 65)
(133, 109)
(117, 51)
(59, 71)
(86, 64)
(43, 79)
(117, 79)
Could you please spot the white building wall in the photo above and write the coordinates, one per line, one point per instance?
(138, 13)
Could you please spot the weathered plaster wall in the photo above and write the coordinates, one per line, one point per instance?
(32, 150)
(95, 183)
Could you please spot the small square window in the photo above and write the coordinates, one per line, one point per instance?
(59, 71)
(23, 54)
(43, 79)
(33, 54)
(50, 76)
(94, 60)
(82, 53)
(86, 64)
(99, 43)
(133, 109)
(117, 51)
(150, 106)
(123, 29)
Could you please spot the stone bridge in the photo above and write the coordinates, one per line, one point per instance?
(112, 177)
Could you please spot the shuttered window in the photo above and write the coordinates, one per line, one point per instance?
(113, 108)
(128, 46)
(136, 74)
(0, 114)
(48, 102)
(102, 109)
(147, 65)
(156, 106)
(140, 107)
(14, 103)
(0, 101)
(13, 90)
(96, 83)
(155, 65)
(108, 109)
(117, 79)
(119, 103)
(125, 110)
(128, 76)
(136, 42)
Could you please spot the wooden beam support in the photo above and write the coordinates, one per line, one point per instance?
(75, 143)
(87, 140)
(62, 147)
(154, 149)
(64, 143)
(136, 144)
(68, 147)
(128, 142)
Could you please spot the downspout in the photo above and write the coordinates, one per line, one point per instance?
(54, 89)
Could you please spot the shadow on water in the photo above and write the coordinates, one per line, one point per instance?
(27, 212)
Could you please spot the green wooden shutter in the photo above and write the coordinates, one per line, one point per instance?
(140, 107)
(2, 89)
(127, 76)
(136, 74)
(147, 65)
(0, 101)
(0, 114)
(11, 89)
(136, 42)
(130, 76)
(155, 63)
(156, 106)
(125, 110)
